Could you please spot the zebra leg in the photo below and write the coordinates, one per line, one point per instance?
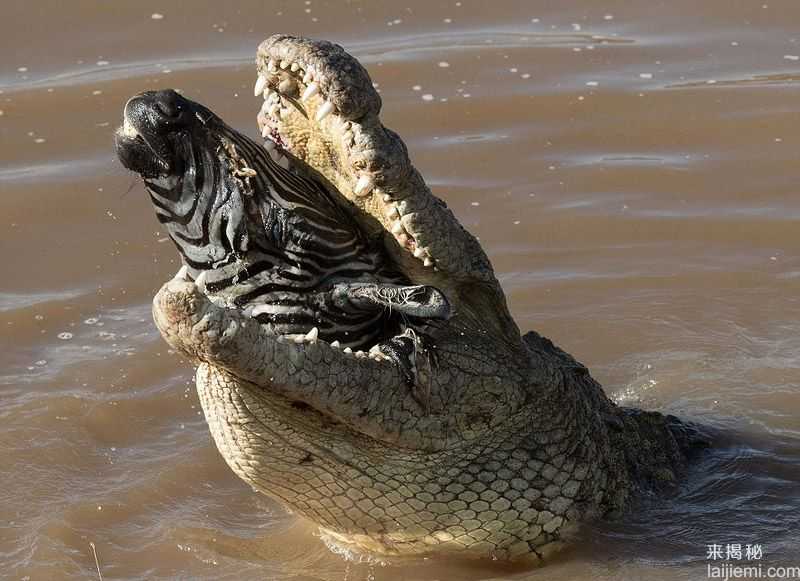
(417, 301)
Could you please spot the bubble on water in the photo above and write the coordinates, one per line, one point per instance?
(65, 336)
(157, 16)
(91, 321)
(645, 75)
(444, 64)
(427, 97)
(22, 69)
(592, 83)
(791, 57)
(41, 363)
(39, 317)
(416, 88)
(102, 63)
(608, 17)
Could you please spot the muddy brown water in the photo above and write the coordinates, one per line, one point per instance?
(631, 168)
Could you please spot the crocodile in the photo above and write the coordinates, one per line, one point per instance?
(453, 432)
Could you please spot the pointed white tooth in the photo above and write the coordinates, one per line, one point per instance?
(283, 161)
(286, 85)
(270, 145)
(427, 262)
(419, 252)
(299, 338)
(284, 64)
(261, 82)
(336, 344)
(294, 67)
(265, 131)
(348, 136)
(387, 198)
(310, 91)
(374, 349)
(271, 66)
(181, 274)
(325, 110)
(363, 186)
(200, 281)
(397, 228)
(264, 108)
(360, 354)
(312, 335)
(392, 213)
(348, 350)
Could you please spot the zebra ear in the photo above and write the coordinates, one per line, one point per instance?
(418, 301)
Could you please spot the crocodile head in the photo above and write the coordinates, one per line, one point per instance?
(492, 445)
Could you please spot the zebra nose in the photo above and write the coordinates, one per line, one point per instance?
(155, 110)
(169, 103)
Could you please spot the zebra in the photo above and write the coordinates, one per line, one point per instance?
(258, 237)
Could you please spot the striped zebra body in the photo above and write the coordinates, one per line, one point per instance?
(273, 243)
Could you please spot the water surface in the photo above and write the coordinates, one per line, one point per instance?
(630, 166)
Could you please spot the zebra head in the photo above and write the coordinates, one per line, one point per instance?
(260, 236)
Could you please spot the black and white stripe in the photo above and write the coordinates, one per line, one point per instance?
(274, 248)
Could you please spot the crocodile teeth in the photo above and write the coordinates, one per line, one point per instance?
(295, 67)
(336, 344)
(363, 186)
(286, 85)
(360, 354)
(264, 108)
(397, 228)
(348, 350)
(392, 213)
(387, 198)
(200, 281)
(325, 110)
(299, 338)
(310, 91)
(285, 64)
(181, 274)
(312, 335)
(261, 83)
(265, 132)
(271, 66)
(427, 262)
(419, 252)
